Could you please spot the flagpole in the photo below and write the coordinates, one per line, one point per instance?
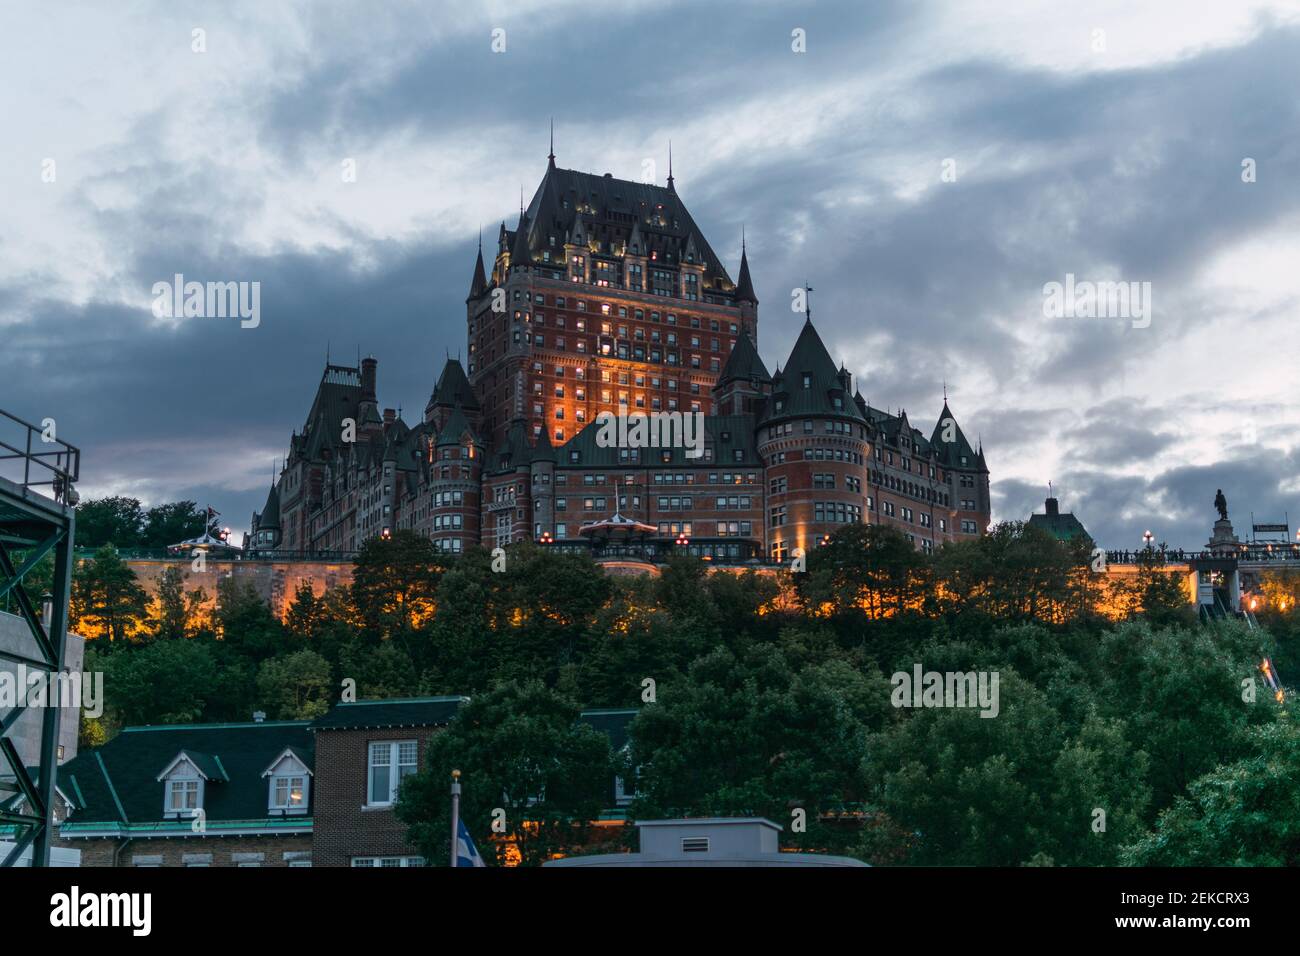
(455, 816)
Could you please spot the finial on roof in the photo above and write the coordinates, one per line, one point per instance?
(670, 164)
(807, 301)
(551, 155)
(945, 390)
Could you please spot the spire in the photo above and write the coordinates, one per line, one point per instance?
(744, 284)
(551, 156)
(671, 188)
(519, 251)
(479, 283)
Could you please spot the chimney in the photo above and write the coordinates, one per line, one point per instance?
(368, 366)
(390, 415)
(1053, 508)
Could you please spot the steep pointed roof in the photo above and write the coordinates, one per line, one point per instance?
(744, 284)
(957, 451)
(270, 516)
(581, 207)
(744, 363)
(479, 284)
(456, 427)
(519, 255)
(453, 388)
(544, 450)
(513, 450)
(810, 384)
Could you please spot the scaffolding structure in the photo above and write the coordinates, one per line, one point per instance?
(38, 472)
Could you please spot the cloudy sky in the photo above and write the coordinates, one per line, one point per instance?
(1100, 140)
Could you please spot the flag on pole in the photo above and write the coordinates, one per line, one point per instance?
(466, 851)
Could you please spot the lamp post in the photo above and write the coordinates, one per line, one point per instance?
(1147, 536)
(455, 816)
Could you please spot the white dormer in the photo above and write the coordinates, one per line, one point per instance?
(289, 790)
(184, 782)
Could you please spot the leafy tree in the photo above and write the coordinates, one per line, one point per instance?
(171, 619)
(393, 583)
(975, 790)
(112, 520)
(296, 686)
(166, 524)
(870, 570)
(1244, 813)
(162, 682)
(520, 748)
(1180, 692)
(107, 601)
(752, 736)
(245, 621)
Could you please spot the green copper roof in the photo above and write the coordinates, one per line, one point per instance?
(409, 712)
(118, 782)
(810, 383)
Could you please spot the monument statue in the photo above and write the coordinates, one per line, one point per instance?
(1221, 503)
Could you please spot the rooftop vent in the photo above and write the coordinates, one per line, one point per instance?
(695, 844)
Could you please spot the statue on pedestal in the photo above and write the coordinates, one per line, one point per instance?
(1221, 503)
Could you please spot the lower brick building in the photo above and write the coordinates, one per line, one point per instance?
(363, 752)
(236, 794)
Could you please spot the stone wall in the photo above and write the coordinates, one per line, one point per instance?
(275, 581)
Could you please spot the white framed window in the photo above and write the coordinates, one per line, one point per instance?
(390, 761)
(289, 793)
(184, 796)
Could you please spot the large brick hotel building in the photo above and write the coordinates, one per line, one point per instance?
(607, 298)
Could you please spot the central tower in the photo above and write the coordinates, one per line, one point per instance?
(605, 297)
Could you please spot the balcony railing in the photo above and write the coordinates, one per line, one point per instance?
(31, 457)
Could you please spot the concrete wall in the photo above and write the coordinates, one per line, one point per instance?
(16, 637)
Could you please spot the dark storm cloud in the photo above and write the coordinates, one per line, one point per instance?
(1129, 173)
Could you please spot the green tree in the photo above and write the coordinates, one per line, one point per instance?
(170, 523)
(171, 617)
(752, 736)
(107, 601)
(245, 621)
(113, 520)
(162, 682)
(296, 686)
(394, 581)
(1244, 813)
(520, 748)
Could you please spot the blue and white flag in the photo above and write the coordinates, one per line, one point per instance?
(466, 851)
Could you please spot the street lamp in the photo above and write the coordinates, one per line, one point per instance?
(1147, 536)
(545, 538)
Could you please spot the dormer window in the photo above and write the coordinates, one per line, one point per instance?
(289, 786)
(185, 781)
(807, 380)
(183, 796)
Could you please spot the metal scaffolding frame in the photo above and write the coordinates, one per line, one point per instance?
(37, 500)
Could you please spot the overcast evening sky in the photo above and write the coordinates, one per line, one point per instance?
(1112, 155)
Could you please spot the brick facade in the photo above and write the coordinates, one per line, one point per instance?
(606, 299)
